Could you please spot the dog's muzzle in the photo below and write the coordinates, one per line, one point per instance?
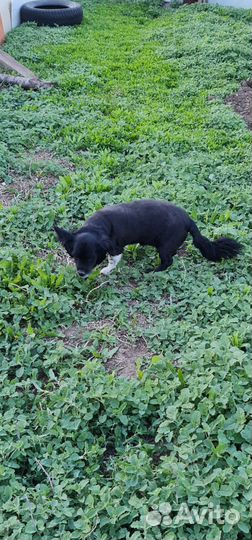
(83, 275)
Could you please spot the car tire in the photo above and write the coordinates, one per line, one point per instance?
(52, 12)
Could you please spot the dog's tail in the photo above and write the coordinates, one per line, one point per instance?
(214, 250)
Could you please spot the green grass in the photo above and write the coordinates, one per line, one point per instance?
(86, 454)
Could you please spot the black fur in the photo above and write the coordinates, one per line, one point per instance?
(146, 222)
(214, 250)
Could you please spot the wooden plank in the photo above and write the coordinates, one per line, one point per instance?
(10, 63)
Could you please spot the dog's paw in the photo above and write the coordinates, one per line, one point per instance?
(106, 271)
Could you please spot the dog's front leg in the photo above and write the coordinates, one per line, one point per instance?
(112, 263)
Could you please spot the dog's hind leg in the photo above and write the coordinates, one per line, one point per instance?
(165, 261)
(112, 263)
(166, 252)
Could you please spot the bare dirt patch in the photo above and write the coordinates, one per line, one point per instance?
(99, 325)
(44, 168)
(45, 156)
(142, 320)
(22, 187)
(73, 335)
(138, 318)
(241, 102)
(182, 251)
(124, 360)
(60, 256)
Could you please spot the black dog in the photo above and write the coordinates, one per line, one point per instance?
(147, 222)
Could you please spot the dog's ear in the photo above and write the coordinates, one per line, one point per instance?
(66, 239)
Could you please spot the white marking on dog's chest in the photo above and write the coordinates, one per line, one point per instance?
(112, 263)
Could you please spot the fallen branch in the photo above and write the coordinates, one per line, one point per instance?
(41, 466)
(27, 84)
(95, 288)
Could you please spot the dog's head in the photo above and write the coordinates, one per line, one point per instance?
(85, 248)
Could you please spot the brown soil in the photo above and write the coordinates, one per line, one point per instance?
(182, 251)
(60, 255)
(73, 335)
(22, 188)
(241, 102)
(45, 155)
(141, 320)
(124, 360)
(99, 325)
